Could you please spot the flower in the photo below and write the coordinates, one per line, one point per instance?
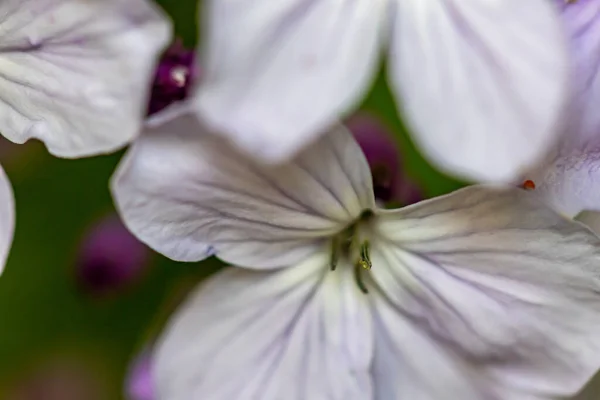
(390, 185)
(174, 76)
(481, 83)
(568, 179)
(140, 383)
(74, 74)
(485, 293)
(110, 258)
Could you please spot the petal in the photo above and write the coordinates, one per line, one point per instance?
(7, 218)
(591, 219)
(581, 20)
(498, 281)
(482, 83)
(76, 74)
(279, 73)
(569, 183)
(188, 195)
(297, 333)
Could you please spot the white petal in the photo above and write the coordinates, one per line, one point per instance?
(498, 281)
(296, 333)
(188, 195)
(7, 218)
(278, 73)
(76, 74)
(591, 219)
(482, 83)
(570, 183)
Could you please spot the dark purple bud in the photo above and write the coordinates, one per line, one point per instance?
(174, 77)
(139, 384)
(110, 258)
(390, 184)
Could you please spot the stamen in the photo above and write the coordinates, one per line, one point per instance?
(358, 277)
(364, 260)
(570, 1)
(335, 255)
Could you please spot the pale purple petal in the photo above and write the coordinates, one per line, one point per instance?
(390, 182)
(296, 333)
(581, 20)
(76, 74)
(570, 183)
(279, 73)
(189, 195)
(483, 84)
(140, 382)
(497, 286)
(7, 218)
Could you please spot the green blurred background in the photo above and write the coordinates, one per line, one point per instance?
(45, 318)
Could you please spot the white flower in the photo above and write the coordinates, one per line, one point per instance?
(481, 294)
(482, 83)
(76, 75)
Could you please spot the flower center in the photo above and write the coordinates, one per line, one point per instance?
(349, 245)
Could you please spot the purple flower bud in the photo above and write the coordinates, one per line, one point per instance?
(139, 384)
(174, 77)
(390, 184)
(110, 258)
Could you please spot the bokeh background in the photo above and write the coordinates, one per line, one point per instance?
(70, 325)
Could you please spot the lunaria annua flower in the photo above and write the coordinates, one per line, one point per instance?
(485, 293)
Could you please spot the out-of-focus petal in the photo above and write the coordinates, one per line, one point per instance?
(279, 73)
(7, 218)
(140, 382)
(570, 183)
(189, 194)
(482, 83)
(503, 286)
(581, 20)
(76, 74)
(296, 333)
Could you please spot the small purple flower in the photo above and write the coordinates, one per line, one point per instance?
(174, 77)
(110, 257)
(390, 184)
(139, 385)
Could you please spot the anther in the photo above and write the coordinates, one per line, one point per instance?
(364, 260)
(358, 278)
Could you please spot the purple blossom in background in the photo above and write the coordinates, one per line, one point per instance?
(110, 258)
(59, 380)
(390, 184)
(174, 77)
(139, 384)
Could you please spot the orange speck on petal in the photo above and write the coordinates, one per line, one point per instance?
(528, 185)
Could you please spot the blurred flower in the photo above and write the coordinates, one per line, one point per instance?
(140, 385)
(110, 258)
(390, 184)
(481, 83)
(569, 178)
(174, 77)
(478, 294)
(59, 380)
(75, 75)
